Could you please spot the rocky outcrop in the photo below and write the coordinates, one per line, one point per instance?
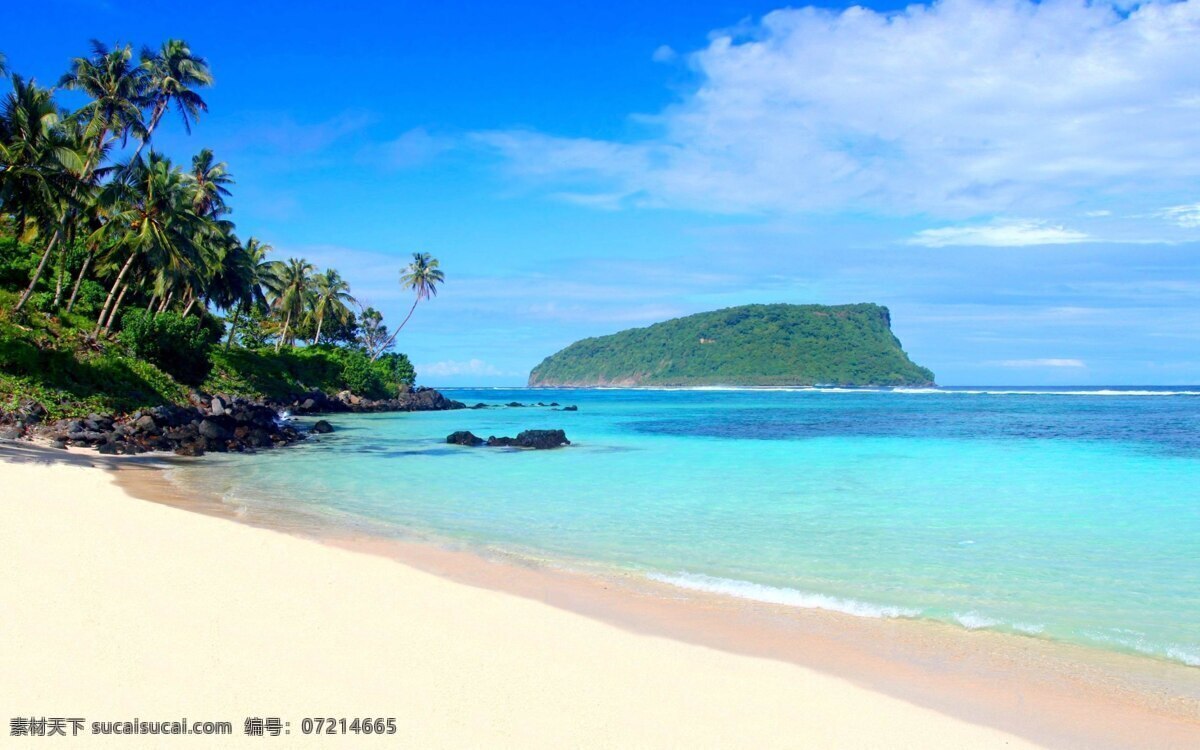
(316, 402)
(235, 425)
(211, 423)
(537, 439)
(464, 437)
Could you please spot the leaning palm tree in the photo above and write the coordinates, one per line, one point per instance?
(331, 298)
(173, 73)
(117, 89)
(39, 168)
(422, 276)
(38, 160)
(290, 288)
(152, 221)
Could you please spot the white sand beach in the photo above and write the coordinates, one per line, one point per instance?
(117, 608)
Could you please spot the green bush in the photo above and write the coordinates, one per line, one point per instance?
(90, 298)
(176, 344)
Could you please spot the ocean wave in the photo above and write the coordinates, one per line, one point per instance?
(986, 392)
(1141, 645)
(775, 595)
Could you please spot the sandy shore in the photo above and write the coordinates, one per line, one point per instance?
(115, 608)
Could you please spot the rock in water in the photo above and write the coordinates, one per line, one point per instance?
(463, 437)
(322, 427)
(536, 439)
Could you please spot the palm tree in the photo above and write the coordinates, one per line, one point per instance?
(422, 276)
(38, 160)
(211, 180)
(331, 296)
(242, 283)
(290, 288)
(173, 73)
(152, 220)
(3, 65)
(117, 89)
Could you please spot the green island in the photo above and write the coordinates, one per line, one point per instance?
(123, 282)
(750, 345)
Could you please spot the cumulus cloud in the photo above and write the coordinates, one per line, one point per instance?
(953, 109)
(999, 234)
(1042, 363)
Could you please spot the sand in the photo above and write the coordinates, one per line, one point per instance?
(116, 608)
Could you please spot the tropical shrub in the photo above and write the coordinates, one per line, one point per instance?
(176, 344)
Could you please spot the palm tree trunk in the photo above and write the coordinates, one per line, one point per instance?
(109, 299)
(320, 322)
(392, 339)
(116, 308)
(190, 303)
(62, 220)
(58, 282)
(150, 304)
(37, 274)
(159, 108)
(233, 325)
(165, 303)
(79, 279)
(286, 323)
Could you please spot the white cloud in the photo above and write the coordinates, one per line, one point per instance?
(1042, 363)
(999, 234)
(958, 108)
(1187, 217)
(664, 53)
(412, 148)
(452, 367)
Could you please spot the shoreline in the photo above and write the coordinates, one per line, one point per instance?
(1048, 692)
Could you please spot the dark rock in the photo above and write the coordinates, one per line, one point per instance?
(322, 427)
(515, 404)
(463, 437)
(145, 423)
(537, 439)
(59, 443)
(554, 403)
(213, 430)
(480, 406)
(111, 449)
(570, 408)
(189, 449)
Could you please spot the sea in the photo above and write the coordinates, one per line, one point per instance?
(1070, 514)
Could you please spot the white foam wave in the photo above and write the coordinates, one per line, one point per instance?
(1013, 392)
(975, 621)
(785, 596)
(907, 391)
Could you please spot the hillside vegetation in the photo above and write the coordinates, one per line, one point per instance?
(751, 345)
(123, 281)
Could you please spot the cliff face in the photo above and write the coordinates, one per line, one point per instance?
(750, 345)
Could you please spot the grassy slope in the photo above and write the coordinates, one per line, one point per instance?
(45, 359)
(748, 345)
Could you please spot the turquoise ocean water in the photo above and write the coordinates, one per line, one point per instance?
(1066, 514)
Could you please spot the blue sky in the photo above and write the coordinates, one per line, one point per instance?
(1019, 183)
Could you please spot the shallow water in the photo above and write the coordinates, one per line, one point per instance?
(1070, 514)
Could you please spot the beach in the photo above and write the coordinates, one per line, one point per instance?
(117, 609)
